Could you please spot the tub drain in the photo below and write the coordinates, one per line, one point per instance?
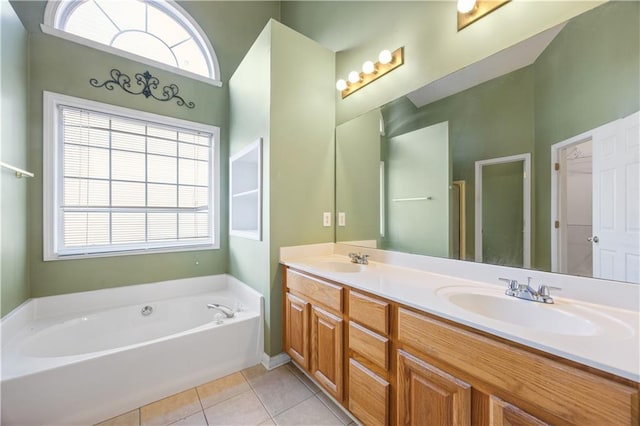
(147, 310)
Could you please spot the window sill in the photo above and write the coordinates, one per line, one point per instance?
(161, 250)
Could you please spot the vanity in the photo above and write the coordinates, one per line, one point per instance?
(398, 345)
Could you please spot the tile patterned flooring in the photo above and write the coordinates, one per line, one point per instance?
(255, 396)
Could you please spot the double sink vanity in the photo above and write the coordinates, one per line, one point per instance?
(404, 345)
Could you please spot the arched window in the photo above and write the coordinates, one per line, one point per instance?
(151, 31)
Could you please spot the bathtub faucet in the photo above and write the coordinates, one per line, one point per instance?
(227, 311)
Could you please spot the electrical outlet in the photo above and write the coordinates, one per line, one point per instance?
(342, 219)
(326, 219)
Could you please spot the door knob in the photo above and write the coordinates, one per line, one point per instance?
(594, 239)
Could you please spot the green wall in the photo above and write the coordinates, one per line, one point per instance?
(502, 218)
(358, 149)
(283, 92)
(64, 67)
(14, 273)
(303, 152)
(588, 76)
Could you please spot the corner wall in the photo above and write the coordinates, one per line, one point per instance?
(283, 92)
(14, 274)
(302, 153)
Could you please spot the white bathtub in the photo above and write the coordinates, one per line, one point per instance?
(85, 357)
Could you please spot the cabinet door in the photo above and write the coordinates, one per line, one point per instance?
(368, 395)
(502, 413)
(326, 350)
(427, 395)
(296, 328)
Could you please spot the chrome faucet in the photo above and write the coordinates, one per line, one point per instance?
(227, 311)
(361, 259)
(526, 292)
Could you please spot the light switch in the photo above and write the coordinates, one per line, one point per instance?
(342, 219)
(326, 219)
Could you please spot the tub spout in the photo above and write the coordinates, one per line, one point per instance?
(227, 311)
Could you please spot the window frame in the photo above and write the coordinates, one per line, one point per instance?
(55, 9)
(53, 176)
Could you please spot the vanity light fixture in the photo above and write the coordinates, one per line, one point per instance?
(387, 61)
(470, 11)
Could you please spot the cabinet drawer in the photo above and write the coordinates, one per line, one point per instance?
(370, 312)
(329, 295)
(368, 395)
(566, 392)
(369, 344)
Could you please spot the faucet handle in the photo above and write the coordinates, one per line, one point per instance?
(543, 290)
(512, 284)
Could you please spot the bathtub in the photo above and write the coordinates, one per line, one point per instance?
(86, 357)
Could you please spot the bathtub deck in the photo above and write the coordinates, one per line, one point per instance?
(254, 396)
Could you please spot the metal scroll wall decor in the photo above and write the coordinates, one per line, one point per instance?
(147, 82)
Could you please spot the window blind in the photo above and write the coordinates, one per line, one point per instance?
(131, 184)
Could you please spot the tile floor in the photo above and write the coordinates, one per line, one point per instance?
(255, 396)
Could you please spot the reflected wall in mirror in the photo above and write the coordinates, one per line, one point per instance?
(564, 82)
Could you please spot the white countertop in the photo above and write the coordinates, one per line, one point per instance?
(611, 342)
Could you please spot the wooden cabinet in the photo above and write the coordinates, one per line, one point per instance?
(326, 350)
(296, 326)
(428, 395)
(368, 395)
(547, 389)
(314, 329)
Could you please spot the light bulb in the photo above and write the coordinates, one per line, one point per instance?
(341, 85)
(354, 77)
(466, 6)
(385, 57)
(368, 67)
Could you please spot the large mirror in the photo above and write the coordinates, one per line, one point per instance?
(529, 158)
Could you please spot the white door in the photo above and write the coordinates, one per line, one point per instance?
(616, 200)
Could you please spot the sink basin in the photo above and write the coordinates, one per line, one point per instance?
(336, 266)
(564, 319)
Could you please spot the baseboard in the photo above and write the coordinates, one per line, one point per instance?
(271, 362)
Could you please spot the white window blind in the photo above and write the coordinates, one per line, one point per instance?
(129, 184)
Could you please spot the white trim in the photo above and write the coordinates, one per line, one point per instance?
(526, 192)
(383, 200)
(558, 263)
(51, 156)
(271, 362)
(51, 24)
